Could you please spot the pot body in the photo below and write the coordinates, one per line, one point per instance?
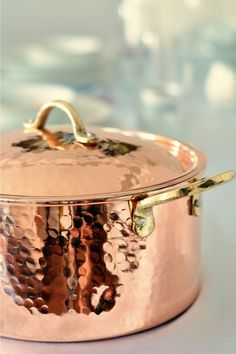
(74, 273)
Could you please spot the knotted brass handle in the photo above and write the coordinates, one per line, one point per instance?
(79, 131)
(142, 215)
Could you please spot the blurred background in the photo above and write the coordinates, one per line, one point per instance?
(167, 66)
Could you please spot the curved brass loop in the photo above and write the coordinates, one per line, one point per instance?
(142, 215)
(79, 131)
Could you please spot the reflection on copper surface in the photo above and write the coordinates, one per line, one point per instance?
(79, 273)
(61, 140)
(59, 259)
(123, 165)
(124, 248)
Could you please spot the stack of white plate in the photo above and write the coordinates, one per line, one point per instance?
(70, 60)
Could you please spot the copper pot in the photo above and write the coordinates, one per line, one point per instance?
(100, 234)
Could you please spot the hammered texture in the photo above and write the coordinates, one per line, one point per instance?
(71, 273)
(123, 162)
(58, 259)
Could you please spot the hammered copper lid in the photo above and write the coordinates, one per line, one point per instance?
(56, 164)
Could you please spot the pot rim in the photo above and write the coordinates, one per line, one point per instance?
(103, 198)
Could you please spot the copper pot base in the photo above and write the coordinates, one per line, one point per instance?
(107, 333)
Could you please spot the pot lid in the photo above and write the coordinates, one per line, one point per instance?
(71, 164)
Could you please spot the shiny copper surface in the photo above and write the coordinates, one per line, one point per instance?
(99, 233)
(122, 163)
(72, 273)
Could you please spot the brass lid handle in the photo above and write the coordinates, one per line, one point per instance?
(142, 215)
(79, 131)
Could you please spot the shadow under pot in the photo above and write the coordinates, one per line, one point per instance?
(100, 233)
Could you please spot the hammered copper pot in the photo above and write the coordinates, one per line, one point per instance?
(100, 233)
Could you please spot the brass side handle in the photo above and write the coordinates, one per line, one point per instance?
(79, 130)
(142, 215)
